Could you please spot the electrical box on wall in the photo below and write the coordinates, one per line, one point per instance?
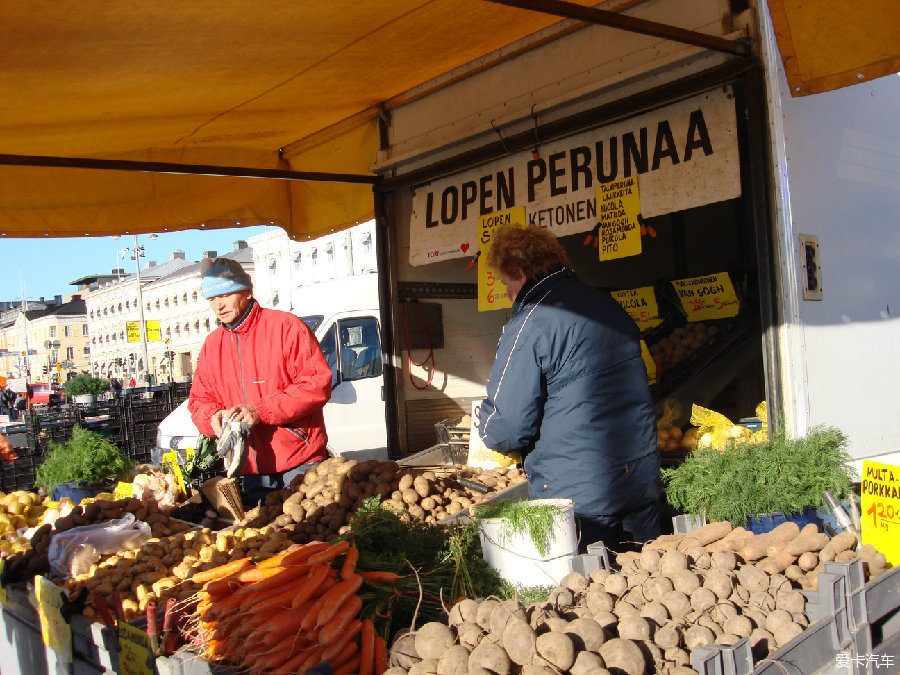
(424, 324)
(810, 267)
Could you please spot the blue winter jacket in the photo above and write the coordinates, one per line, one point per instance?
(569, 390)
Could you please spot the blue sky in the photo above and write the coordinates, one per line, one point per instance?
(48, 265)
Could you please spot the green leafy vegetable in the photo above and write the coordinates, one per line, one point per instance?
(87, 457)
(534, 518)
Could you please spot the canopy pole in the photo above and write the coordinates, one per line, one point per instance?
(603, 17)
(191, 169)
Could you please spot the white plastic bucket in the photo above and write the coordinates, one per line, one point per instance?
(515, 557)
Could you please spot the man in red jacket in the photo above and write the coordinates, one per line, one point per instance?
(262, 367)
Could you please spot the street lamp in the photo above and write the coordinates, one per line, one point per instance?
(137, 252)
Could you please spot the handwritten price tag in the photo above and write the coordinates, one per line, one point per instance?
(491, 291)
(124, 490)
(2, 588)
(619, 203)
(169, 462)
(880, 499)
(641, 305)
(55, 632)
(707, 297)
(134, 651)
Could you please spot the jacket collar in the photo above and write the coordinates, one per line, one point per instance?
(532, 289)
(243, 323)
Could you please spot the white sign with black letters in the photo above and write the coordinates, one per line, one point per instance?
(685, 155)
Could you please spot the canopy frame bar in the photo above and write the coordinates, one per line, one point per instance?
(190, 169)
(633, 24)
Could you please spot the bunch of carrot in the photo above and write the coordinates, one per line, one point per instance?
(289, 613)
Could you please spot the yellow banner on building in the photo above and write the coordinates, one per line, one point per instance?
(153, 332)
(133, 331)
(491, 291)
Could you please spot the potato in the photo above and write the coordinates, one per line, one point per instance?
(676, 603)
(464, 610)
(786, 632)
(723, 560)
(469, 633)
(790, 600)
(598, 600)
(685, 581)
(562, 598)
(519, 641)
(422, 486)
(534, 669)
(668, 636)
(507, 610)
(616, 584)
(575, 582)
(557, 649)
(491, 657)
(485, 609)
(672, 561)
(586, 633)
(424, 667)
(738, 625)
(432, 640)
(455, 661)
(403, 651)
(634, 628)
(623, 655)
(587, 663)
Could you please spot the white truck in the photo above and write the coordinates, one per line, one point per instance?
(351, 342)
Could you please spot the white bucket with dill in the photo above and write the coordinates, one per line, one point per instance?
(529, 542)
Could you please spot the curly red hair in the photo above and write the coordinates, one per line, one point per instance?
(533, 250)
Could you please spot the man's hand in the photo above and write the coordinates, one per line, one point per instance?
(216, 422)
(247, 414)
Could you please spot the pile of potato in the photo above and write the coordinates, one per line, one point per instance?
(32, 559)
(678, 593)
(19, 509)
(162, 567)
(320, 502)
(681, 343)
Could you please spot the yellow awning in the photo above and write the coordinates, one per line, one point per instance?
(224, 83)
(828, 44)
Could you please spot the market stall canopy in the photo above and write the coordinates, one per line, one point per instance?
(277, 86)
(826, 45)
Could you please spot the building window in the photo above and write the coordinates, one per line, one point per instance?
(169, 333)
(174, 301)
(70, 353)
(127, 304)
(84, 330)
(52, 331)
(273, 264)
(120, 308)
(206, 324)
(184, 298)
(298, 257)
(67, 331)
(122, 336)
(166, 304)
(194, 296)
(275, 300)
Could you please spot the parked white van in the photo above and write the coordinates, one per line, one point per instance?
(355, 415)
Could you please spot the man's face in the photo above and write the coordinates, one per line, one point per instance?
(513, 282)
(230, 306)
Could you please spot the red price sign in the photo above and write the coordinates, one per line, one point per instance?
(707, 297)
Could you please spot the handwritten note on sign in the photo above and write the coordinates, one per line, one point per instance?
(491, 292)
(707, 297)
(55, 632)
(134, 651)
(641, 305)
(618, 206)
(880, 505)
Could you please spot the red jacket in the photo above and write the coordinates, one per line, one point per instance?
(271, 360)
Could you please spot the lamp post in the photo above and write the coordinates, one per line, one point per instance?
(137, 254)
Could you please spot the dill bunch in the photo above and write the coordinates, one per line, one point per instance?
(748, 479)
(525, 517)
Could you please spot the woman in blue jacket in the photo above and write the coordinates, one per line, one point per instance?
(568, 390)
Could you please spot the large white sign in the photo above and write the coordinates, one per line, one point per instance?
(685, 155)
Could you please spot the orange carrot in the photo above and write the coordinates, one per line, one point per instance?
(292, 665)
(379, 577)
(286, 626)
(254, 574)
(259, 602)
(336, 597)
(330, 553)
(350, 561)
(348, 667)
(331, 651)
(220, 571)
(309, 619)
(367, 648)
(306, 591)
(281, 576)
(276, 559)
(222, 607)
(381, 660)
(313, 659)
(302, 554)
(331, 630)
(347, 652)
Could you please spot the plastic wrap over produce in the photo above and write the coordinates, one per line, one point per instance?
(74, 551)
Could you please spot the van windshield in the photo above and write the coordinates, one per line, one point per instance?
(313, 321)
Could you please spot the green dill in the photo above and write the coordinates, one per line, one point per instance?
(748, 479)
(86, 457)
(531, 517)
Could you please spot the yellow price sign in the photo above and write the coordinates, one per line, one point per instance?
(134, 651)
(641, 305)
(2, 588)
(880, 505)
(55, 632)
(708, 297)
(124, 490)
(649, 362)
(169, 462)
(618, 206)
(491, 292)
